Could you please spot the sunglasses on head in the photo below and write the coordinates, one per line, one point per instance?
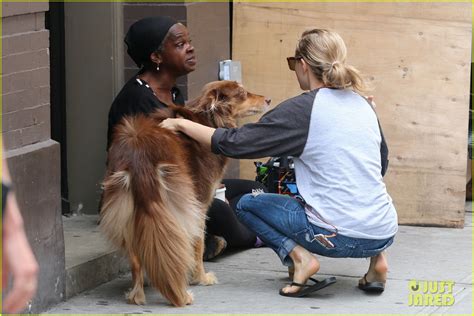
(292, 62)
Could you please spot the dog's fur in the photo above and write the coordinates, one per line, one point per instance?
(159, 185)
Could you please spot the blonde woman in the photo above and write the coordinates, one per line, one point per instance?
(340, 157)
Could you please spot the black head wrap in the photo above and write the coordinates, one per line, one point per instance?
(145, 37)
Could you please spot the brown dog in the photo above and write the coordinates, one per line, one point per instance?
(159, 185)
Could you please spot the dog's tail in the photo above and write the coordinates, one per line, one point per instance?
(159, 225)
(170, 227)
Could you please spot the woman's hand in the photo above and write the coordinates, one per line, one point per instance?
(172, 124)
(196, 131)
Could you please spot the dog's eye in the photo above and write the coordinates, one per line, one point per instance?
(221, 97)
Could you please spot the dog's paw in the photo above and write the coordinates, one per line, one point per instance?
(136, 296)
(208, 278)
(190, 299)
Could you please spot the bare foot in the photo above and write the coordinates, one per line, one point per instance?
(305, 265)
(377, 269)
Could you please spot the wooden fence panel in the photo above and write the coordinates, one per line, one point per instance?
(418, 57)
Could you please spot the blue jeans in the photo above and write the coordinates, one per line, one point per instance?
(281, 222)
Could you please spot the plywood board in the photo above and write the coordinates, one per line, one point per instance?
(417, 56)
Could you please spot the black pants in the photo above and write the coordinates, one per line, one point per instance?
(221, 217)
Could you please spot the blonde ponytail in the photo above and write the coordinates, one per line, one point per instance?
(325, 53)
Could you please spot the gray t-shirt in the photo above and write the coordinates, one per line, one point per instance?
(335, 140)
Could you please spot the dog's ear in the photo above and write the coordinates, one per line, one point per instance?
(221, 92)
(213, 98)
(206, 102)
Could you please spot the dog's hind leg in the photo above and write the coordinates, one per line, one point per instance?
(199, 275)
(136, 295)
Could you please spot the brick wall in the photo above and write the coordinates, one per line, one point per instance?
(25, 61)
(32, 156)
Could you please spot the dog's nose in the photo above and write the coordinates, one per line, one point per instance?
(268, 101)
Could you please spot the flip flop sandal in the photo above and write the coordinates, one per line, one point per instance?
(371, 287)
(307, 289)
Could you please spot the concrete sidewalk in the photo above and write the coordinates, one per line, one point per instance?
(249, 282)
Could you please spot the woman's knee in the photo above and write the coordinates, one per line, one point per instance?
(243, 204)
(259, 200)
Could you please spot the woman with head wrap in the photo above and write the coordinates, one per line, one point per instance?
(161, 47)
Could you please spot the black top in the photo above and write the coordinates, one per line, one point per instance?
(136, 97)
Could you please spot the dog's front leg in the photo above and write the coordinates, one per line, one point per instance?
(199, 275)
